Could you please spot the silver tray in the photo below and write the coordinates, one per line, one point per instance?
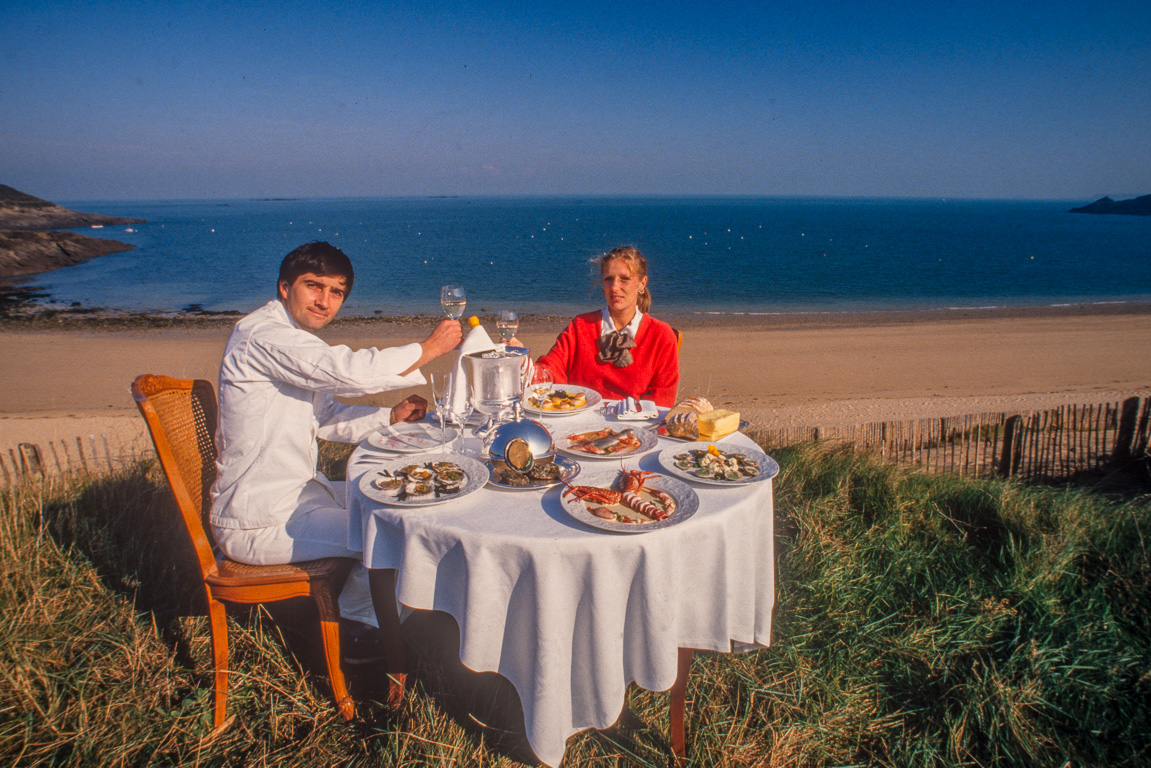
(476, 471)
(768, 467)
(686, 500)
(569, 469)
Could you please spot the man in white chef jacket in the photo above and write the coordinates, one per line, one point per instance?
(278, 383)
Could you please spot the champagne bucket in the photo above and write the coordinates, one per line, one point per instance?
(495, 384)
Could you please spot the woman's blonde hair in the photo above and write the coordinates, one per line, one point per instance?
(638, 265)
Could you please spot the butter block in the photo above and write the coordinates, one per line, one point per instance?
(715, 424)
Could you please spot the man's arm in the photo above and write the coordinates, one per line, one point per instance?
(444, 339)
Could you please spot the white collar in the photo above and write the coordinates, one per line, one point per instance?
(606, 325)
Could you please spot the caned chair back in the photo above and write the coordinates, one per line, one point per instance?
(181, 417)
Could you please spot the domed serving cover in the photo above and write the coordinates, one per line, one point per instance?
(520, 444)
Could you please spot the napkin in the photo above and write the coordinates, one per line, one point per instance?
(476, 341)
(630, 409)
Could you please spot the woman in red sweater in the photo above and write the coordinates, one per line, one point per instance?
(620, 351)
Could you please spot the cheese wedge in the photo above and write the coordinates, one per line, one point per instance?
(715, 424)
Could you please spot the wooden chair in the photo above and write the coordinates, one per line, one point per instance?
(181, 417)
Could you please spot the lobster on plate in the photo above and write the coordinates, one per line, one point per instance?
(630, 483)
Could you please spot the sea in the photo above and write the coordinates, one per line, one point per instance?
(707, 255)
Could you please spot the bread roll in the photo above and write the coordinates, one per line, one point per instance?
(683, 419)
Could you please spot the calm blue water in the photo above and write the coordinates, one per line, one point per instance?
(726, 255)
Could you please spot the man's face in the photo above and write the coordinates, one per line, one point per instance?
(313, 300)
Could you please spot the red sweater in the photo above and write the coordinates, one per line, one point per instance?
(653, 374)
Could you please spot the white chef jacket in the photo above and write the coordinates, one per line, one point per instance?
(276, 395)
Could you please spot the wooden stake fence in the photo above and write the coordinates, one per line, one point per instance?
(1042, 445)
(92, 456)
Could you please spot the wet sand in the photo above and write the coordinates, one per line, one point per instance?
(778, 370)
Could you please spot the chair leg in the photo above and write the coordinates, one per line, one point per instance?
(330, 633)
(677, 704)
(218, 624)
(326, 596)
(383, 583)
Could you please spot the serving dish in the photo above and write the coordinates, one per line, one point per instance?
(767, 467)
(593, 399)
(569, 470)
(641, 441)
(475, 471)
(686, 501)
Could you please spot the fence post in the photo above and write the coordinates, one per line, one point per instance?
(1121, 454)
(1005, 456)
(30, 459)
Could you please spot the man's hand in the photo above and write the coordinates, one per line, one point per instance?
(412, 409)
(444, 339)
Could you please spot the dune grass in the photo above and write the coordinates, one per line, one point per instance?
(921, 621)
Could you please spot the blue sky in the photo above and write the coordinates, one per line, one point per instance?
(104, 100)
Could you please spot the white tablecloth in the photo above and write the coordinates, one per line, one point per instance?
(571, 615)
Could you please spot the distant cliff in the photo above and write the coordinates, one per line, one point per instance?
(1136, 206)
(24, 252)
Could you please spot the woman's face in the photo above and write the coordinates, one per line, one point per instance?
(621, 287)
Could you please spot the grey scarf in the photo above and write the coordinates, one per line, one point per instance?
(614, 348)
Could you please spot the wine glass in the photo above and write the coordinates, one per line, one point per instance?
(541, 386)
(453, 298)
(441, 399)
(507, 323)
(469, 409)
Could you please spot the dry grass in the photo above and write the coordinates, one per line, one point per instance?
(921, 621)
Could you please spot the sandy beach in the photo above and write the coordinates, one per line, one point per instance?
(778, 370)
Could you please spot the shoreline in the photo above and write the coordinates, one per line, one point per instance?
(779, 371)
(27, 313)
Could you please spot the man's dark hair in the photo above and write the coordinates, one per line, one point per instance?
(319, 258)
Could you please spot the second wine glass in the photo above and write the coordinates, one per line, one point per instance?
(507, 323)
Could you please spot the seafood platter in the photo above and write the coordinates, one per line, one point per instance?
(561, 400)
(607, 442)
(559, 469)
(630, 501)
(709, 464)
(407, 483)
(410, 437)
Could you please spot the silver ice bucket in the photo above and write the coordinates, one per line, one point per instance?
(495, 382)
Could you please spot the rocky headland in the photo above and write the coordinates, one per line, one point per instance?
(1136, 206)
(26, 249)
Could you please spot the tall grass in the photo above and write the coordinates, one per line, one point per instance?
(921, 621)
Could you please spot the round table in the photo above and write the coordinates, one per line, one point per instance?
(568, 613)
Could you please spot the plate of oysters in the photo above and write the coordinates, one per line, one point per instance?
(403, 482)
(709, 464)
(543, 474)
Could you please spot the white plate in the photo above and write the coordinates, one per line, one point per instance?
(593, 399)
(569, 469)
(662, 432)
(647, 440)
(411, 437)
(686, 500)
(477, 477)
(768, 468)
